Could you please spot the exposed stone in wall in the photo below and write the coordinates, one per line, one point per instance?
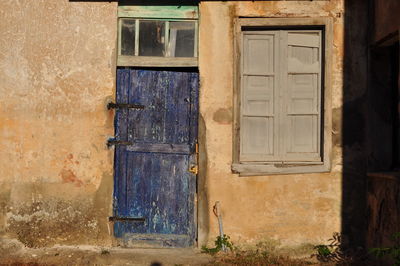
(47, 214)
(51, 222)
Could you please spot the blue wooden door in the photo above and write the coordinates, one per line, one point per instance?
(154, 190)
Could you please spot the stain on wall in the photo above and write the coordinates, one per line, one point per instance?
(203, 207)
(223, 116)
(45, 223)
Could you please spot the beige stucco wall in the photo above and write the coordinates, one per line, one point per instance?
(294, 209)
(56, 75)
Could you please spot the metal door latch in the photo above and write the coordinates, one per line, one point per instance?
(124, 106)
(194, 169)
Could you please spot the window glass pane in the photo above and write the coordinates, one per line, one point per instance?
(151, 38)
(181, 38)
(127, 37)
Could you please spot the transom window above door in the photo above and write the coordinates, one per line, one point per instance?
(157, 36)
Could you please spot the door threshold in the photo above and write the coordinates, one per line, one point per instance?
(154, 241)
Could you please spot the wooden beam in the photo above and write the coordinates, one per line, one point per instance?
(152, 61)
(158, 11)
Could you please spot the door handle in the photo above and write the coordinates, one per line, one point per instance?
(194, 169)
(124, 106)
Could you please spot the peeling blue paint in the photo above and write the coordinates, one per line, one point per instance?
(151, 175)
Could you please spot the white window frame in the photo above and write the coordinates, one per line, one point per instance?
(285, 167)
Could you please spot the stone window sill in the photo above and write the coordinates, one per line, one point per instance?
(278, 169)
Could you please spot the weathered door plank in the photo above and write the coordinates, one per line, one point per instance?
(152, 184)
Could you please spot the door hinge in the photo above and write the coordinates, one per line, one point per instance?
(114, 142)
(124, 106)
(126, 219)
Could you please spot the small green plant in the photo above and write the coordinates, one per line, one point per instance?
(263, 253)
(220, 242)
(392, 252)
(338, 253)
(330, 252)
(323, 250)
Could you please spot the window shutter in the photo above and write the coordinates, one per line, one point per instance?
(301, 80)
(258, 82)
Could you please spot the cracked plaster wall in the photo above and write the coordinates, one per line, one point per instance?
(56, 74)
(295, 209)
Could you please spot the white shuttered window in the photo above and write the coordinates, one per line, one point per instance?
(280, 96)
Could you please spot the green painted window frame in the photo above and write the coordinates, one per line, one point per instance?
(159, 13)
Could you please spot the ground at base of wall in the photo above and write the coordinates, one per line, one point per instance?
(67, 255)
(13, 252)
(89, 255)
